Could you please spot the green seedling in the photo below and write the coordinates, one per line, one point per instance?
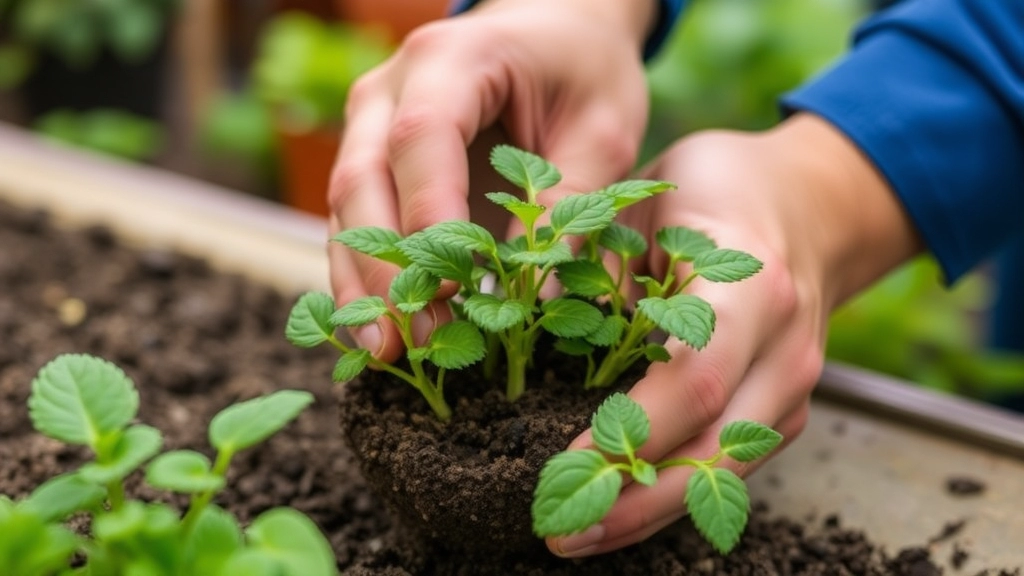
(577, 488)
(86, 401)
(589, 317)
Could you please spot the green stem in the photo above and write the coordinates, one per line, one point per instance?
(622, 355)
(202, 500)
(115, 495)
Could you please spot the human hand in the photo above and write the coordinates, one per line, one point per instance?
(802, 199)
(564, 79)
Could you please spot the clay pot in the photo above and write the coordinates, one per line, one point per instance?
(306, 162)
(396, 17)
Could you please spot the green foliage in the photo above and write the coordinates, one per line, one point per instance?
(85, 400)
(108, 131)
(577, 488)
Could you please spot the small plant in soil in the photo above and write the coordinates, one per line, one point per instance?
(577, 488)
(86, 401)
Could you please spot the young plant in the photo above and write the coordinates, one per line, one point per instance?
(577, 488)
(87, 401)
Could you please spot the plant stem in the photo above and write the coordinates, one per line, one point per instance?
(621, 355)
(200, 501)
(115, 495)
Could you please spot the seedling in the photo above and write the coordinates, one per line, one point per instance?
(87, 401)
(588, 318)
(577, 488)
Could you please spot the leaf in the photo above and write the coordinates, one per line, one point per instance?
(494, 314)
(138, 444)
(651, 285)
(413, 289)
(608, 332)
(79, 399)
(574, 346)
(456, 345)
(350, 365)
(718, 502)
(524, 169)
(746, 440)
(575, 491)
(684, 316)
(214, 538)
(291, 541)
(683, 244)
(550, 255)
(585, 278)
(183, 471)
(570, 318)
(439, 258)
(620, 425)
(525, 211)
(310, 321)
(381, 243)
(62, 496)
(242, 425)
(656, 353)
(359, 312)
(644, 472)
(582, 214)
(623, 240)
(629, 192)
(724, 265)
(464, 235)
(31, 546)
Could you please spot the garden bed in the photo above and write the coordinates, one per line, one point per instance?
(196, 339)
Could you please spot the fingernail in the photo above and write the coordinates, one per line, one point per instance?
(423, 324)
(370, 338)
(582, 544)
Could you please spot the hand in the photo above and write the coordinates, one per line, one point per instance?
(564, 79)
(803, 200)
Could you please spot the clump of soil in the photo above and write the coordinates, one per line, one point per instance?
(964, 486)
(195, 341)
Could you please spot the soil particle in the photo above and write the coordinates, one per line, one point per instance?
(964, 486)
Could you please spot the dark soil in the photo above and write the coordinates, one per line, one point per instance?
(195, 341)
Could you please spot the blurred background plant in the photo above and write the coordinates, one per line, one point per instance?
(114, 132)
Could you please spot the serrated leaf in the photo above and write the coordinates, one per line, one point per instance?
(608, 332)
(651, 285)
(524, 169)
(746, 440)
(456, 345)
(551, 255)
(684, 316)
(439, 258)
(381, 243)
(413, 289)
(359, 312)
(569, 318)
(138, 444)
(629, 192)
(242, 425)
(725, 265)
(463, 234)
(718, 503)
(585, 278)
(215, 537)
(285, 538)
(494, 314)
(350, 365)
(620, 426)
(575, 491)
(623, 240)
(683, 244)
(644, 472)
(309, 323)
(582, 214)
(62, 496)
(79, 399)
(656, 353)
(573, 346)
(183, 471)
(525, 211)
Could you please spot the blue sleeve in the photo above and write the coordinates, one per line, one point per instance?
(933, 93)
(668, 14)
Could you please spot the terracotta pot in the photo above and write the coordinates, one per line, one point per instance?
(396, 17)
(306, 161)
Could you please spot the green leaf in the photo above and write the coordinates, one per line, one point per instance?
(494, 314)
(183, 471)
(585, 278)
(62, 496)
(582, 214)
(570, 318)
(439, 258)
(413, 289)
(214, 538)
(525, 211)
(724, 265)
(644, 472)
(629, 192)
(620, 425)
(242, 425)
(746, 440)
(574, 346)
(608, 332)
(121, 524)
(683, 244)
(359, 312)
(79, 399)
(350, 365)
(550, 255)
(623, 240)
(291, 541)
(310, 321)
(684, 316)
(575, 491)
(656, 353)
(417, 354)
(133, 30)
(456, 345)
(651, 285)
(524, 169)
(138, 444)
(718, 502)
(381, 243)
(30, 546)
(463, 234)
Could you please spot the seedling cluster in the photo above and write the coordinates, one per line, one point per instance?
(87, 401)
